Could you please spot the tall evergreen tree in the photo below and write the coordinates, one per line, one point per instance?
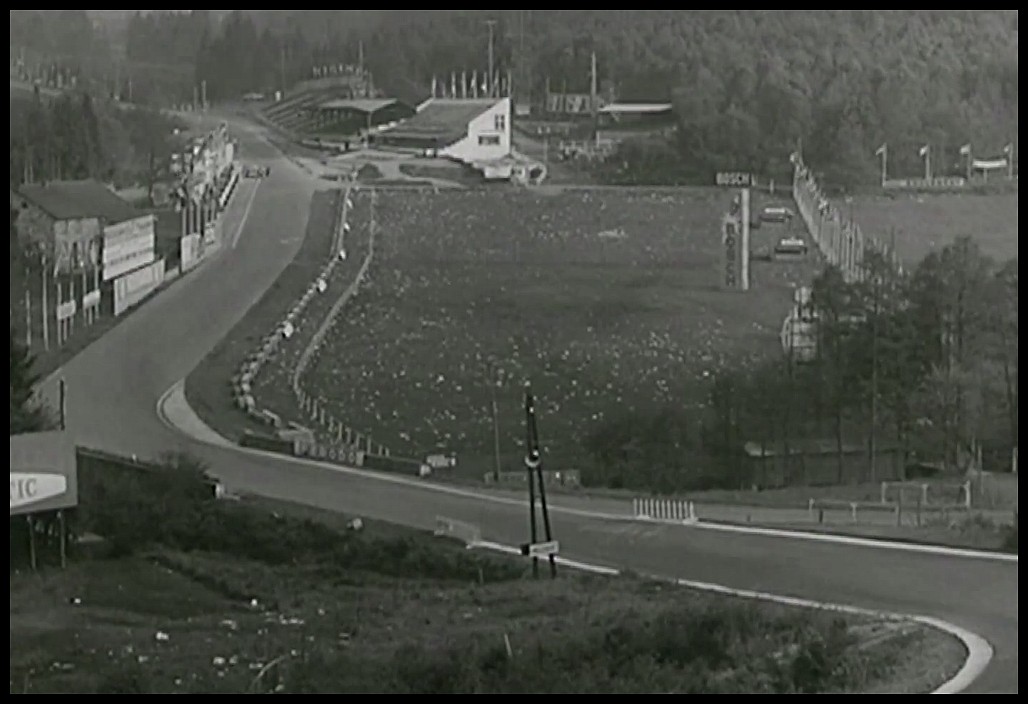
(27, 415)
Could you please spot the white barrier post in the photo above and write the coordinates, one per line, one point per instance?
(810, 507)
(885, 490)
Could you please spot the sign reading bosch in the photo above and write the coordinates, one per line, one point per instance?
(730, 237)
(737, 179)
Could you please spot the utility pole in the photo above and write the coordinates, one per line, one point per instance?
(522, 64)
(592, 101)
(282, 69)
(534, 465)
(496, 422)
(873, 440)
(491, 24)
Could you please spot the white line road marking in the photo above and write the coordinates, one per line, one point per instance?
(862, 542)
(979, 652)
(246, 214)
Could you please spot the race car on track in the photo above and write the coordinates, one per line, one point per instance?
(256, 172)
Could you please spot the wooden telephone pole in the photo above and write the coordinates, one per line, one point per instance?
(593, 98)
(490, 88)
(534, 466)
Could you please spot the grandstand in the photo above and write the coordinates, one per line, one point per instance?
(298, 112)
(358, 117)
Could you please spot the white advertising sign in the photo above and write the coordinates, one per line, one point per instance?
(31, 488)
(128, 246)
(66, 310)
(91, 299)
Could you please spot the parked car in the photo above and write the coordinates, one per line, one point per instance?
(790, 248)
(776, 213)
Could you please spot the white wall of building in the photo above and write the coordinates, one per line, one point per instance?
(128, 245)
(488, 136)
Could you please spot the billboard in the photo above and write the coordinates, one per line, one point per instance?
(43, 472)
(735, 243)
(66, 310)
(190, 251)
(127, 246)
(133, 287)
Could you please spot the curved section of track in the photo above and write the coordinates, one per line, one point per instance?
(114, 386)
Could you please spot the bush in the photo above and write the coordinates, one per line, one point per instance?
(730, 649)
(136, 509)
(1010, 540)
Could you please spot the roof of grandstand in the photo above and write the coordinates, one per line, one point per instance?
(634, 108)
(443, 118)
(367, 105)
(72, 200)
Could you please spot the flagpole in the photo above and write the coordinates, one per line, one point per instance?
(885, 164)
(883, 151)
(969, 161)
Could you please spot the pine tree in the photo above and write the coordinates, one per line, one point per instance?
(27, 416)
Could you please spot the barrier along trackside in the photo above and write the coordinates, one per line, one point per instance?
(333, 440)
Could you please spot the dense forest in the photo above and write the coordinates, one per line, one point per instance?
(748, 86)
(74, 137)
(882, 367)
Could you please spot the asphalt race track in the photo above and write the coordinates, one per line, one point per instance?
(114, 386)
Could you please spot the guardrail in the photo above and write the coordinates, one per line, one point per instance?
(901, 512)
(343, 444)
(243, 381)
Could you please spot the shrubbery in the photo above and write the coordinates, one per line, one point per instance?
(138, 509)
(731, 648)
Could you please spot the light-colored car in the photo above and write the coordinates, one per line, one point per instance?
(776, 213)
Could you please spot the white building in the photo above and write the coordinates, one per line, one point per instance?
(471, 131)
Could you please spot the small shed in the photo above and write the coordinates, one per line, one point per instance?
(814, 462)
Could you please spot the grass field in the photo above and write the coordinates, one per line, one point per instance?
(607, 300)
(925, 222)
(388, 610)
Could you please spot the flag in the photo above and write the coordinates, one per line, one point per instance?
(1008, 149)
(881, 150)
(965, 150)
(923, 151)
